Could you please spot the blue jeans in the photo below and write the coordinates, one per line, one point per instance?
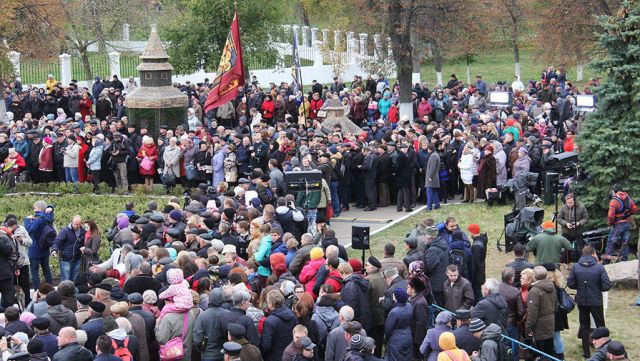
(335, 198)
(69, 270)
(620, 232)
(513, 332)
(311, 220)
(433, 198)
(35, 264)
(71, 174)
(558, 346)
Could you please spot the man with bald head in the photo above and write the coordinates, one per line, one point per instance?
(67, 246)
(69, 349)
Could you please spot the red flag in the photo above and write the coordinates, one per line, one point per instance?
(230, 71)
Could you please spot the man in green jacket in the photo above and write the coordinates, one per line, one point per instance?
(548, 245)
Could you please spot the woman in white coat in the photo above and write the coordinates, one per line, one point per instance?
(468, 168)
(171, 158)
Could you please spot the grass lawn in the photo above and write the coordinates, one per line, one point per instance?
(619, 313)
(496, 65)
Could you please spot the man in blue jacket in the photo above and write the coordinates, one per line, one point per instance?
(38, 256)
(590, 279)
(67, 246)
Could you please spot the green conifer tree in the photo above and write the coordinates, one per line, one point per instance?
(609, 138)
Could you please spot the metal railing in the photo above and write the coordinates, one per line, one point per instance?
(35, 71)
(432, 312)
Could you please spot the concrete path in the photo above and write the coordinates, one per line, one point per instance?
(378, 220)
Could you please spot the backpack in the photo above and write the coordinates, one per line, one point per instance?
(504, 349)
(458, 257)
(122, 351)
(47, 236)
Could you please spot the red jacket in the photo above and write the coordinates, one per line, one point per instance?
(268, 108)
(308, 275)
(151, 152)
(45, 159)
(393, 114)
(334, 279)
(315, 106)
(17, 164)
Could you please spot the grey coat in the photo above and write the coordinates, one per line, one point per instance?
(432, 171)
(171, 157)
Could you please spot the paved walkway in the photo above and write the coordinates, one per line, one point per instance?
(377, 220)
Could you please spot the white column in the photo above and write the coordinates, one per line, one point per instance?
(415, 78)
(318, 60)
(325, 36)
(14, 58)
(305, 36)
(389, 50)
(336, 39)
(114, 63)
(350, 46)
(125, 32)
(295, 29)
(363, 44)
(65, 68)
(377, 45)
(314, 36)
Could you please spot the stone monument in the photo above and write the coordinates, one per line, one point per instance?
(335, 115)
(156, 101)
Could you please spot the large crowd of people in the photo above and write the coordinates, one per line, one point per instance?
(248, 269)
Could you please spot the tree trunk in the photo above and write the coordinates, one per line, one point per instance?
(468, 70)
(418, 54)
(516, 58)
(302, 11)
(86, 65)
(399, 30)
(580, 69)
(438, 61)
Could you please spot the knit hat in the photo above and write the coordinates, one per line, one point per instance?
(548, 225)
(474, 228)
(149, 297)
(176, 215)
(53, 298)
(22, 337)
(357, 342)
(401, 295)
(476, 325)
(356, 264)
(27, 317)
(316, 253)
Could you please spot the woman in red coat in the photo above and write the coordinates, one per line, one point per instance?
(86, 105)
(315, 105)
(82, 161)
(45, 160)
(147, 157)
(268, 109)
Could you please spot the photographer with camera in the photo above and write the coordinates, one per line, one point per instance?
(119, 151)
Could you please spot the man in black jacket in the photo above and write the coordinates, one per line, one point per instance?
(8, 262)
(368, 169)
(241, 301)
(403, 179)
(436, 261)
(590, 279)
(119, 151)
(355, 293)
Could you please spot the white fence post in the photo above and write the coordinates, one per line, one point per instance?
(389, 50)
(125, 32)
(377, 46)
(364, 51)
(336, 39)
(314, 36)
(114, 63)
(305, 36)
(14, 58)
(65, 69)
(325, 36)
(295, 29)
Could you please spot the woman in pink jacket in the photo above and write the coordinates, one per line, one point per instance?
(308, 274)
